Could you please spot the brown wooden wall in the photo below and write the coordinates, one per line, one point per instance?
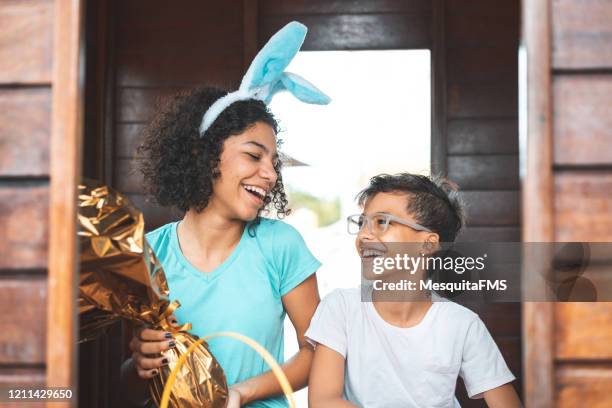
(576, 97)
(26, 53)
(481, 130)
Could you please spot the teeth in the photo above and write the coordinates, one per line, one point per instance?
(257, 190)
(372, 252)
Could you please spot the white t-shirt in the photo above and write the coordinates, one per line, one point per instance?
(388, 366)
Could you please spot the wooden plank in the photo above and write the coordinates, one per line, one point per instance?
(482, 64)
(439, 134)
(490, 234)
(537, 199)
(15, 377)
(179, 68)
(23, 221)
(294, 7)
(487, 30)
(129, 136)
(582, 34)
(583, 205)
(249, 34)
(482, 8)
(584, 331)
(25, 115)
(141, 104)
(25, 35)
(484, 172)
(497, 100)
(66, 139)
(581, 385)
(355, 31)
(492, 208)
(22, 338)
(127, 178)
(163, 14)
(184, 37)
(582, 120)
(154, 215)
(483, 136)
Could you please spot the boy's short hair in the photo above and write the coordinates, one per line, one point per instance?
(434, 201)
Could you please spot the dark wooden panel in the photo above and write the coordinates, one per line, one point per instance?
(580, 385)
(492, 208)
(582, 119)
(583, 331)
(583, 205)
(127, 178)
(482, 8)
(485, 30)
(25, 116)
(490, 234)
(129, 136)
(483, 136)
(140, 104)
(483, 172)
(22, 338)
(164, 14)
(154, 215)
(180, 68)
(186, 40)
(356, 31)
(26, 38)
(291, 8)
(582, 34)
(483, 100)
(24, 213)
(482, 64)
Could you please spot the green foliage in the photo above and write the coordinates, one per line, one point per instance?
(327, 211)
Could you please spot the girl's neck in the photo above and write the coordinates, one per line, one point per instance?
(402, 314)
(211, 231)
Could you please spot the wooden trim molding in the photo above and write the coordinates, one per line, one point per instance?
(439, 148)
(66, 137)
(537, 199)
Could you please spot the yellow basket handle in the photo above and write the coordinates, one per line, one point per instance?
(278, 372)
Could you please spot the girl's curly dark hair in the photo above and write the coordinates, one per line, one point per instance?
(179, 166)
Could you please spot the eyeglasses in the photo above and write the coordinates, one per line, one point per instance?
(378, 223)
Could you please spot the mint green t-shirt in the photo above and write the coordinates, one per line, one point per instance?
(242, 295)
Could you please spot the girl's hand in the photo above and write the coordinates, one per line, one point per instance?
(146, 347)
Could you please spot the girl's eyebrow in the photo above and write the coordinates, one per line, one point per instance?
(254, 143)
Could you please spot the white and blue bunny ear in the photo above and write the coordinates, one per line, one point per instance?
(266, 75)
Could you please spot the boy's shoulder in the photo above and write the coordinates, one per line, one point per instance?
(346, 298)
(455, 313)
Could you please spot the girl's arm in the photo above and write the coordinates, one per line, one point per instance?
(327, 379)
(503, 396)
(300, 305)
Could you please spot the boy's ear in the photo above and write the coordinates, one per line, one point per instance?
(431, 242)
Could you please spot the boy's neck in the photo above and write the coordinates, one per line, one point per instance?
(405, 313)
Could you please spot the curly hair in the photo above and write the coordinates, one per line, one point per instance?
(179, 166)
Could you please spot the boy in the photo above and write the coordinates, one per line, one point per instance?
(404, 353)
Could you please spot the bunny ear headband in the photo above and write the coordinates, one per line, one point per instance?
(266, 76)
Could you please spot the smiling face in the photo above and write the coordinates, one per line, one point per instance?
(247, 173)
(370, 246)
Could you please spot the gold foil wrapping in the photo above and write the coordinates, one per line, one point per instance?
(120, 277)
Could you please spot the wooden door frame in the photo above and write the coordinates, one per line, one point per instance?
(537, 197)
(66, 139)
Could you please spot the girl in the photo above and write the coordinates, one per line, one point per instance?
(214, 156)
(394, 351)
